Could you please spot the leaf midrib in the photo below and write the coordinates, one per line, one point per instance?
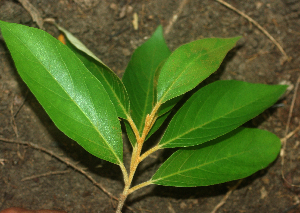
(211, 121)
(202, 165)
(117, 158)
(69, 116)
(151, 86)
(114, 93)
(186, 67)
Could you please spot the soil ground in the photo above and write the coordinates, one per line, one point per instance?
(113, 39)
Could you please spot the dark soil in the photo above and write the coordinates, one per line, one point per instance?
(113, 39)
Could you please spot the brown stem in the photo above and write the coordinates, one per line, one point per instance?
(121, 203)
(136, 155)
(134, 163)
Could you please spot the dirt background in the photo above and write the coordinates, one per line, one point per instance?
(113, 39)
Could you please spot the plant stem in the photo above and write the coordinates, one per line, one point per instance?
(149, 152)
(124, 171)
(136, 155)
(134, 163)
(121, 203)
(147, 183)
(133, 126)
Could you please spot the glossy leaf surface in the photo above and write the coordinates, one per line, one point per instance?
(190, 64)
(111, 82)
(73, 98)
(216, 109)
(235, 155)
(140, 74)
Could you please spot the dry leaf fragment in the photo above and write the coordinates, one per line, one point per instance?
(135, 21)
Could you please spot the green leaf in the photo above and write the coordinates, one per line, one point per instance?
(77, 43)
(159, 121)
(167, 106)
(216, 109)
(162, 113)
(73, 98)
(190, 64)
(235, 155)
(111, 82)
(139, 76)
(130, 133)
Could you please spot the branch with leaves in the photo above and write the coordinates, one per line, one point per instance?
(85, 100)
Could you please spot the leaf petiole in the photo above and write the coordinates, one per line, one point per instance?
(147, 183)
(149, 152)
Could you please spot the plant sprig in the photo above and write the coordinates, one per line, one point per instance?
(87, 101)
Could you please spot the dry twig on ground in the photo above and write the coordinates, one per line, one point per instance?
(35, 14)
(175, 16)
(223, 201)
(45, 174)
(285, 56)
(80, 170)
(30, 144)
(2, 161)
(288, 135)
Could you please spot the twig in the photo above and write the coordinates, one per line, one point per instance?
(12, 120)
(223, 201)
(80, 170)
(30, 144)
(170, 208)
(22, 104)
(45, 174)
(2, 161)
(285, 58)
(292, 107)
(284, 140)
(175, 16)
(34, 13)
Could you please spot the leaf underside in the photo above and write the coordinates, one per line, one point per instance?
(74, 99)
(235, 155)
